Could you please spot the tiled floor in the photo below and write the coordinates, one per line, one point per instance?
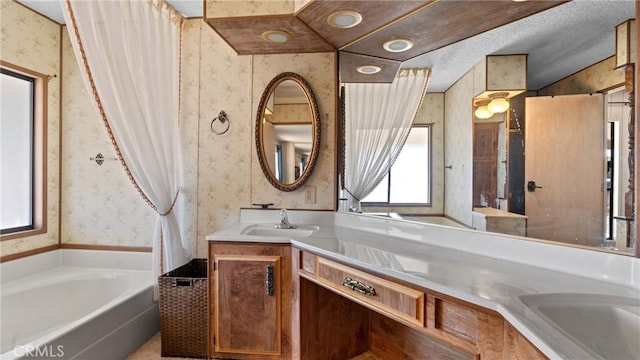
(151, 351)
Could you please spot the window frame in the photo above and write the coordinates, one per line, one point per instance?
(429, 180)
(39, 154)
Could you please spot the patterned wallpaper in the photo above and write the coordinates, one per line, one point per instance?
(224, 161)
(596, 77)
(319, 70)
(222, 174)
(33, 42)
(226, 8)
(99, 204)
(229, 176)
(458, 150)
(290, 113)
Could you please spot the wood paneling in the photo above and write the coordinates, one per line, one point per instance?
(455, 319)
(396, 300)
(517, 347)
(485, 163)
(453, 329)
(375, 15)
(391, 340)
(331, 326)
(349, 64)
(308, 262)
(28, 253)
(244, 35)
(447, 22)
(490, 336)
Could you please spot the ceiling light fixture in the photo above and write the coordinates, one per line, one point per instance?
(499, 103)
(483, 112)
(368, 69)
(344, 19)
(398, 45)
(276, 36)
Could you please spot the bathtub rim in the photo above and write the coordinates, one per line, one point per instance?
(105, 259)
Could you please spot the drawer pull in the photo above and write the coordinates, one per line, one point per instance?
(357, 286)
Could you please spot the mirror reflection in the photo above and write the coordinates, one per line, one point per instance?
(287, 131)
(580, 197)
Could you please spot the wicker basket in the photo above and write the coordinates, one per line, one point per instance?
(183, 310)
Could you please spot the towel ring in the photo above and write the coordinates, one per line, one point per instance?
(223, 119)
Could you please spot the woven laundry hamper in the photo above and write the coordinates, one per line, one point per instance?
(183, 310)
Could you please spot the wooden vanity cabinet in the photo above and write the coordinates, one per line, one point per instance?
(409, 322)
(250, 291)
(271, 301)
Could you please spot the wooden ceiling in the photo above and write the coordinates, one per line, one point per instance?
(431, 24)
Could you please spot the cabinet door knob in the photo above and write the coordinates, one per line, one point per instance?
(268, 282)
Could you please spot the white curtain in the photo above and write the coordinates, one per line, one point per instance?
(129, 55)
(378, 118)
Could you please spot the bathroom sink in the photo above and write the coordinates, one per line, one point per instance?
(270, 230)
(608, 327)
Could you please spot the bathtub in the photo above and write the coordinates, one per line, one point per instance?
(76, 304)
(429, 219)
(437, 220)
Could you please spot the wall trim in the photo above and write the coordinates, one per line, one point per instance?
(28, 253)
(146, 249)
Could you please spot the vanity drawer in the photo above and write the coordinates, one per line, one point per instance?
(386, 296)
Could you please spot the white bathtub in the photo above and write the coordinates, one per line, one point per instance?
(76, 304)
(437, 220)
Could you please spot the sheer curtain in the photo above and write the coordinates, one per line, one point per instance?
(129, 56)
(378, 118)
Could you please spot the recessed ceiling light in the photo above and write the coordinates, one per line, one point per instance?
(344, 19)
(276, 36)
(398, 45)
(368, 69)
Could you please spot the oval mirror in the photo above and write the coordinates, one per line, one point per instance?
(287, 131)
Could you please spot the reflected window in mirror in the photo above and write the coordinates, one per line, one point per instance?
(408, 182)
(287, 131)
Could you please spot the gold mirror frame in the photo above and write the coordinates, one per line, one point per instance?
(315, 125)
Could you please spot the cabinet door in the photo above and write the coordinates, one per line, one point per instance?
(247, 309)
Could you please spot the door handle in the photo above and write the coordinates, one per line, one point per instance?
(268, 280)
(531, 186)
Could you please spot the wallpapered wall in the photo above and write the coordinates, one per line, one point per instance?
(459, 130)
(33, 42)
(229, 175)
(458, 152)
(596, 77)
(99, 206)
(223, 8)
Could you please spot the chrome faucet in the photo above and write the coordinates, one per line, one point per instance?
(284, 221)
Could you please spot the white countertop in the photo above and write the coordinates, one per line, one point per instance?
(490, 270)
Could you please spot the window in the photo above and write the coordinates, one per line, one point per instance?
(21, 151)
(409, 180)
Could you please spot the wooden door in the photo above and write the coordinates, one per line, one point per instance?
(485, 163)
(564, 157)
(247, 304)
